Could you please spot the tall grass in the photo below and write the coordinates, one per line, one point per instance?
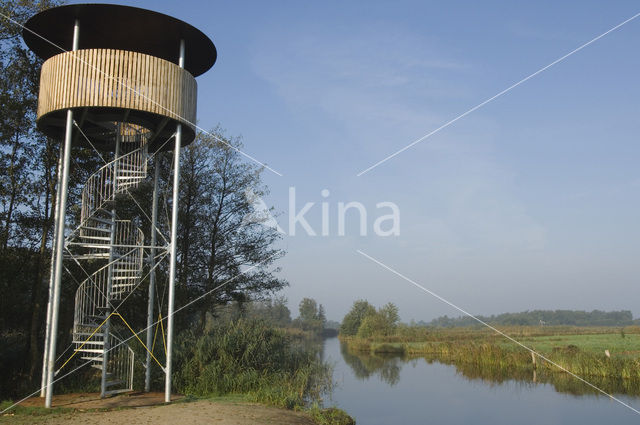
(250, 357)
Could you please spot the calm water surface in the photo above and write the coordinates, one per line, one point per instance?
(394, 391)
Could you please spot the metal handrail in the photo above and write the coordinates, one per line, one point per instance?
(99, 233)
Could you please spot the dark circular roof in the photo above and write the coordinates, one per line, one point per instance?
(110, 26)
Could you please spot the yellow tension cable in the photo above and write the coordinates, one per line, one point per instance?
(155, 334)
(75, 351)
(162, 331)
(138, 338)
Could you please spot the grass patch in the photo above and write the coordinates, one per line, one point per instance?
(388, 348)
(330, 416)
(251, 358)
(628, 346)
(20, 410)
(30, 414)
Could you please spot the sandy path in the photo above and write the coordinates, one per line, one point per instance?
(181, 413)
(200, 412)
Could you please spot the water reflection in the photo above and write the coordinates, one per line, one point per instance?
(388, 367)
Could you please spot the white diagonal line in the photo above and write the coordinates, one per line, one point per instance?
(493, 328)
(480, 105)
(142, 95)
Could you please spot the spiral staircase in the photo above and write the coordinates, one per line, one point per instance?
(117, 248)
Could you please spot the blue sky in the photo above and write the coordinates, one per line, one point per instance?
(529, 202)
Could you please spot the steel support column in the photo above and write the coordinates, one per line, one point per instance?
(59, 232)
(174, 237)
(47, 334)
(152, 272)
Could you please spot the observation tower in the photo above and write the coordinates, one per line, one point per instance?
(119, 80)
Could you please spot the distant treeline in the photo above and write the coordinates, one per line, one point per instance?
(275, 312)
(542, 318)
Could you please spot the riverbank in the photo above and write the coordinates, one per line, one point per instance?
(83, 409)
(601, 354)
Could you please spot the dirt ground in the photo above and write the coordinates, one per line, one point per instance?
(150, 409)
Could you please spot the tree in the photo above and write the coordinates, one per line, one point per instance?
(322, 317)
(383, 322)
(272, 310)
(215, 242)
(277, 311)
(353, 319)
(311, 317)
(27, 192)
(389, 313)
(308, 309)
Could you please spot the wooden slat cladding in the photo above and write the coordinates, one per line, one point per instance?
(106, 78)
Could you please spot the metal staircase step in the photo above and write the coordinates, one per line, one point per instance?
(94, 256)
(97, 334)
(124, 277)
(96, 359)
(133, 169)
(115, 382)
(85, 343)
(89, 245)
(96, 238)
(89, 350)
(95, 229)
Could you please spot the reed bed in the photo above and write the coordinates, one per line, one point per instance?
(578, 350)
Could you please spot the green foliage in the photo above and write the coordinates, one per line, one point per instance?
(542, 317)
(480, 353)
(27, 170)
(373, 325)
(271, 310)
(353, 319)
(249, 356)
(364, 321)
(311, 317)
(215, 239)
(331, 416)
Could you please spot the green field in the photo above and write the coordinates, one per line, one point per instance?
(481, 352)
(618, 346)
